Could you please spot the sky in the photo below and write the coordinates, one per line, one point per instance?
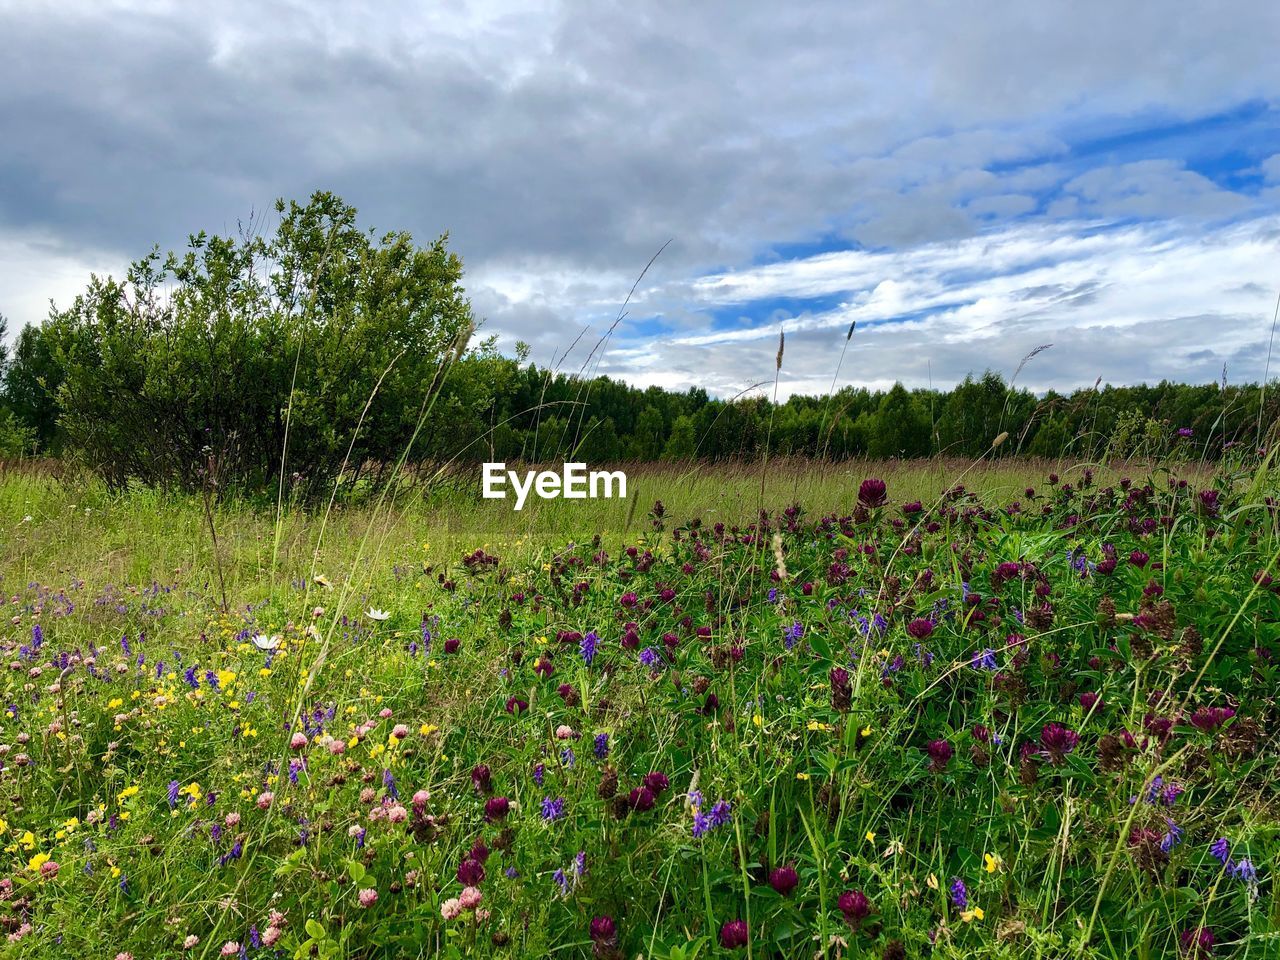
(966, 182)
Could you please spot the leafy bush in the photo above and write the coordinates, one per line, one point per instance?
(216, 355)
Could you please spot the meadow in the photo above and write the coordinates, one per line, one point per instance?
(896, 709)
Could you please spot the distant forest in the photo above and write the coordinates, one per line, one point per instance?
(355, 355)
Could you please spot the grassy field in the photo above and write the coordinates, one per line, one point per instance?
(900, 721)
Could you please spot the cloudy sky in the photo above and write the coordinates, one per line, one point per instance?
(966, 181)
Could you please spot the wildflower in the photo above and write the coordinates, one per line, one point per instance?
(496, 808)
(641, 799)
(230, 948)
(470, 872)
(734, 934)
(298, 741)
(959, 894)
(940, 754)
(368, 897)
(792, 634)
(377, 615)
(1221, 851)
(784, 879)
(190, 942)
(451, 909)
(601, 749)
(657, 782)
(855, 907)
(986, 660)
(471, 898)
(992, 862)
(588, 647)
(871, 493)
(1197, 942)
(604, 931)
(1058, 741)
(1172, 837)
(920, 628)
(1245, 870)
(552, 809)
(841, 689)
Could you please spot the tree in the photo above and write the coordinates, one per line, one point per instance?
(683, 442)
(321, 327)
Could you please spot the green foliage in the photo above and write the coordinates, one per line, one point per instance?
(970, 690)
(344, 340)
(210, 356)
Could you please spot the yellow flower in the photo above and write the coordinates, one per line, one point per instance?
(866, 731)
(427, 729)
(126, 793)
(38, 861)
(757, 720)
(815, 725)
(802, 776)
(970, 915)
(993, 862)
(870, 837)
(932, 882)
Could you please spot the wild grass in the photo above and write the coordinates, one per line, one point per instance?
(777, 664)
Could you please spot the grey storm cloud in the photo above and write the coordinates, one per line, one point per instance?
(560, 144)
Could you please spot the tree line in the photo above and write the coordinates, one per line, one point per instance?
(322, 351)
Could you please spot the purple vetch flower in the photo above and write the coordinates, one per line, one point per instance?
(1172, 837)
(236, 851)
(568, 758)
(561, 881)
(588, 647)
(650, 658)
(986, 660)
(539, 771)
(1245, 870)
(601, 749)
(552, 809)
(1221, 851)
(720, 813)
(174, 786)
(959, 894)
(792, 634)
